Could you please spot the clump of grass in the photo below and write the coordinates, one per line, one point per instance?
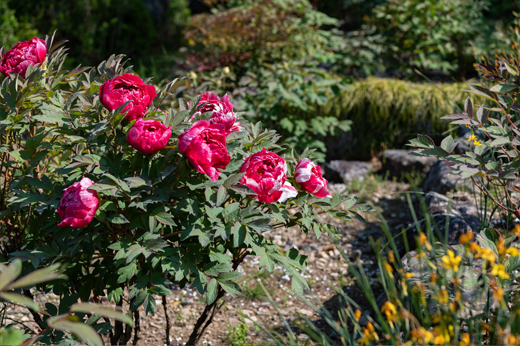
(454, 294)
(386, 113)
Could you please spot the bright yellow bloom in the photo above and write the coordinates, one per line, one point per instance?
(451, 261)
(484, 253)
(466, 237)
(369, 335)
(513, 251)
(357, 315)
(422, 336)
(390, 311)
(498, 292)
(406, 275)
(423, 239)
(472, 138)
(500, 271)
(391, 257)
(442, 297)
(512, 340)
(479, 143)
(388, 268)
(516, 230)
(465, 340)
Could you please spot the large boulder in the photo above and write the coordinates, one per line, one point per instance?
(441, 179)
(398, 161)
(340, 171)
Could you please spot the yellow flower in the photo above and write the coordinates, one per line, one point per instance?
(369, 335)
(391, 257)
(424, 241)
(472, 138)
(357, 315)
(451, 261)
(513, 251)
(477, 143)
(498, 292)
(442, 297)
(390, 311)
(191, 42)
(500, 271)
(406, 275)
(465, 340)
(516, 230)
(466, 237)
(388, 268)
(422, 336)
(512, 339)
(484, 253)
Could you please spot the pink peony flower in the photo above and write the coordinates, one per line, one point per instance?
(288, 191)
(22, 55)
(128, 87)
(215, 104)
(204, 144)
(78, 204)
(222, 111)
(309, 176)
(148, 136)
(266, 175)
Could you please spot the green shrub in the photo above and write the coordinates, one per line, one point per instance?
(255, 32)
(159, 220)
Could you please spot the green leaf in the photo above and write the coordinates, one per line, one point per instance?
(211, 291)
(448, 144)
(504, 87)
(84, 332)
(231, 276)
(233, 179)
(9, 273)
(231, 287)
(20, 300)
(165, 219)
(221, 195)
(118, 219)
(38, 276)
(102, 310)
(11, 336)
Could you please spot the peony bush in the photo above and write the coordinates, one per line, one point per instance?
(135, 196)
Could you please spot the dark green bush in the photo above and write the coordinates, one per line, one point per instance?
(95, 29)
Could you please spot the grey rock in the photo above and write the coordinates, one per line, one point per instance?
(398, 161)
(341, 171)
(441, 179)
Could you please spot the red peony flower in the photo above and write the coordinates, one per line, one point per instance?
(204, 144)
(22, 55)
(78, 204)
(266, 175)
(309, 176)
(128, 87)
(148, 136)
